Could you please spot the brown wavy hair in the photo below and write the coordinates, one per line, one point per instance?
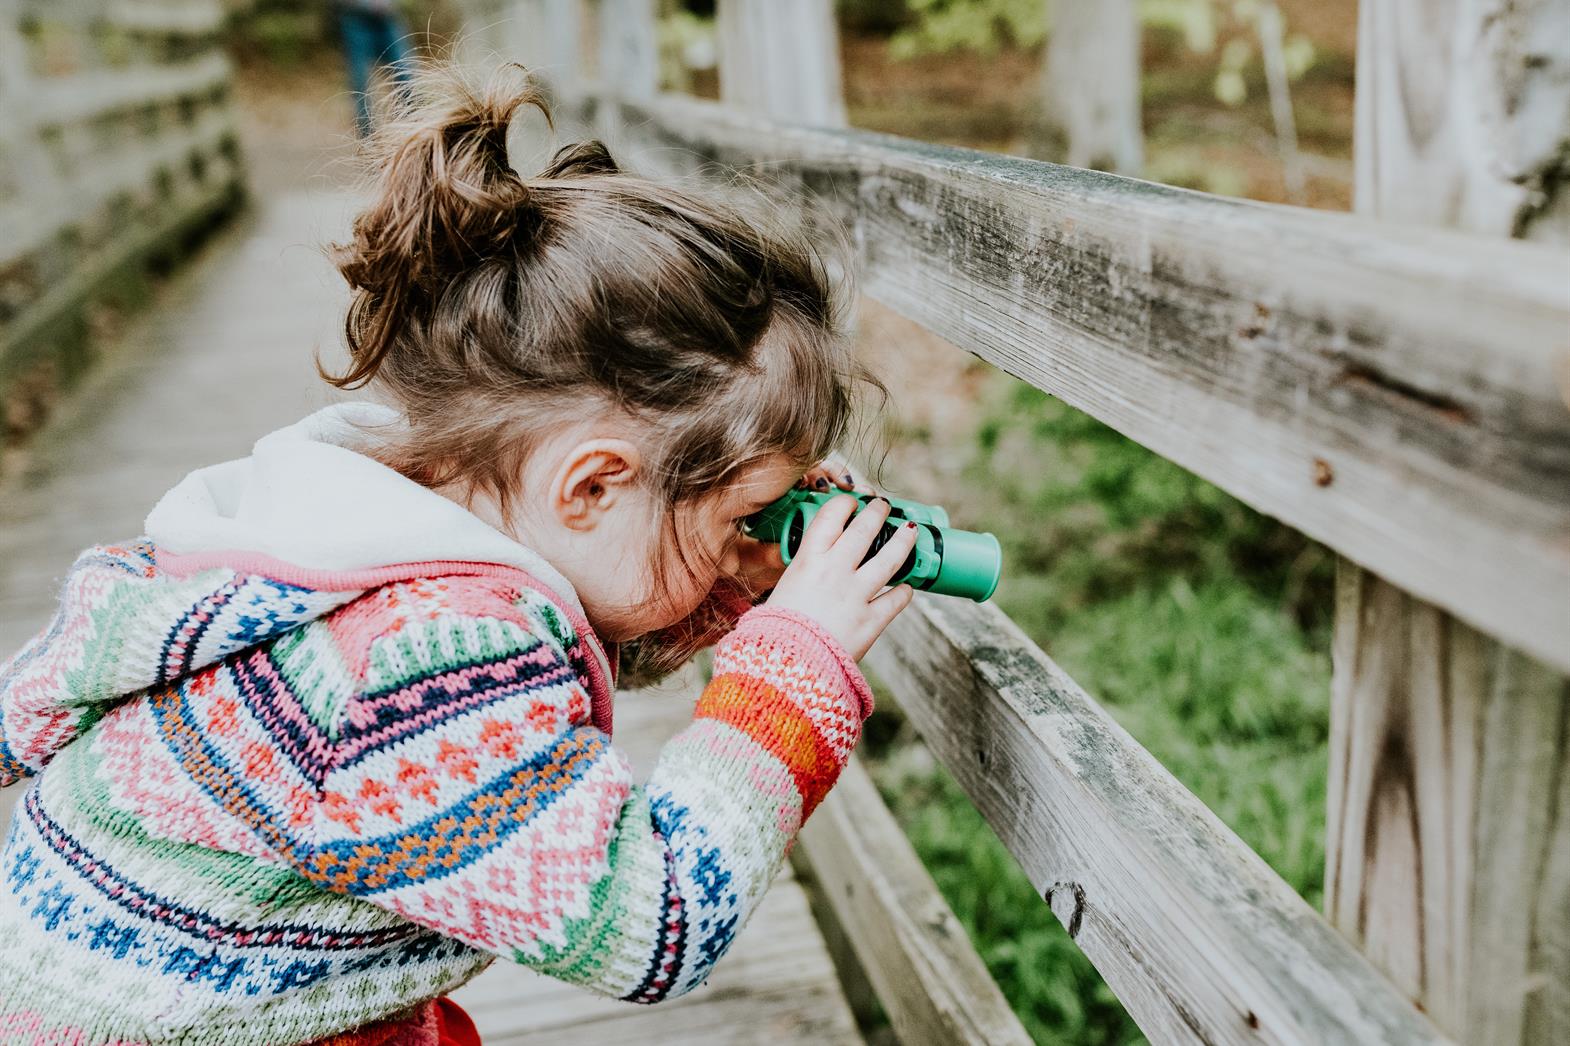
(493, 307)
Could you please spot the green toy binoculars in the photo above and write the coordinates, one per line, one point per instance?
(947, 561)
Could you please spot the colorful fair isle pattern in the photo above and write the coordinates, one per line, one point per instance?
(271, 806)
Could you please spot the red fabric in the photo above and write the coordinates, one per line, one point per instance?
(454, 1026)
(440, 1022)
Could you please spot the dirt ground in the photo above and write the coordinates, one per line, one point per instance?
(296, 123)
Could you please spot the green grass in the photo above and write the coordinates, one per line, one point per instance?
(1201, 625)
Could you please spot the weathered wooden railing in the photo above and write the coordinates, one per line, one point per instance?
(1395, 392)
(116, 135)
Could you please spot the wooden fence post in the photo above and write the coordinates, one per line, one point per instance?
(629, 48)
(1089, 105)
(561, 39)
(17, 139)
(1448, 857)
(629, 61)
(781, 59)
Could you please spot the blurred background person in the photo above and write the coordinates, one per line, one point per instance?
(373, 33)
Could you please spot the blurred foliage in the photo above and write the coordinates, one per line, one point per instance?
(1201, 625)
(881, 17)
(1242, 51)
(934, 26)
(982, 25)
(287, 33)
(687, 44)
(283, 32)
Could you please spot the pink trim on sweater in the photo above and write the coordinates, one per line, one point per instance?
(781, 615)
(602, 672)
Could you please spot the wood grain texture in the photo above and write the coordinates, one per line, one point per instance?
(104, 162)
(1447, 825)
(1200, 940)
(929, 978)
(1448, 857)
(1463, 114)
(1393, 392)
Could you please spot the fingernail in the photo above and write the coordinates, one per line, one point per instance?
(822, 484)
(846, 477)
(910, 525)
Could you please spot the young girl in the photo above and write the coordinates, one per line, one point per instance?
(336, 733)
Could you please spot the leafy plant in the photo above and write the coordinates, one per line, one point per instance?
(982, 25)
(985, 25)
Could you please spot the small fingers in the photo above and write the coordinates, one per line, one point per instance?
(858, 536)
(827, 525)
(881, 568)
(888, 604)
(826, 476)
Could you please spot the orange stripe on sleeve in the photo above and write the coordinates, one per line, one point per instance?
(779, 725)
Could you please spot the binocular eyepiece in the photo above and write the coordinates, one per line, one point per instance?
(947, 561)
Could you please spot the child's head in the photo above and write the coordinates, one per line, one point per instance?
(611, 368)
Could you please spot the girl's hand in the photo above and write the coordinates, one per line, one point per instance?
(829, 474)
(761, 563)
(827, 581)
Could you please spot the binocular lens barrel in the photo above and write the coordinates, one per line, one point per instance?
(950, 562)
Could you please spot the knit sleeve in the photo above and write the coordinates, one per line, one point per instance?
(59, 683)
(502, 818)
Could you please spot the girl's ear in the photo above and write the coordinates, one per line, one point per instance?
(592, 478)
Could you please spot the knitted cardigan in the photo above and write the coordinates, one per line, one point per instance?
(274, 802)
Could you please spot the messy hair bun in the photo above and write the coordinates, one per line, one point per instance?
(494, 307)
(448, 199)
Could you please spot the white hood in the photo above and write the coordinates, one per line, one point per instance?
(307, 497)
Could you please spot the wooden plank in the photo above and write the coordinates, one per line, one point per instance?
(933, 985)
(765, 1015)
(1200, 940)
(1462, 115)
(629, 52)
(27, 169)
(1392, 392)
(1448, 834)
(1448, 856)
(561, 33)
(88, 95)
(195, 204)
(198, 18)
(28, 221)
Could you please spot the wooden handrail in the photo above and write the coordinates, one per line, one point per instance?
(1397, 393)
(1197, 936)
(921, 965)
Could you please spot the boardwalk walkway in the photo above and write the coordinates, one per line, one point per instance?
(225, 359)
